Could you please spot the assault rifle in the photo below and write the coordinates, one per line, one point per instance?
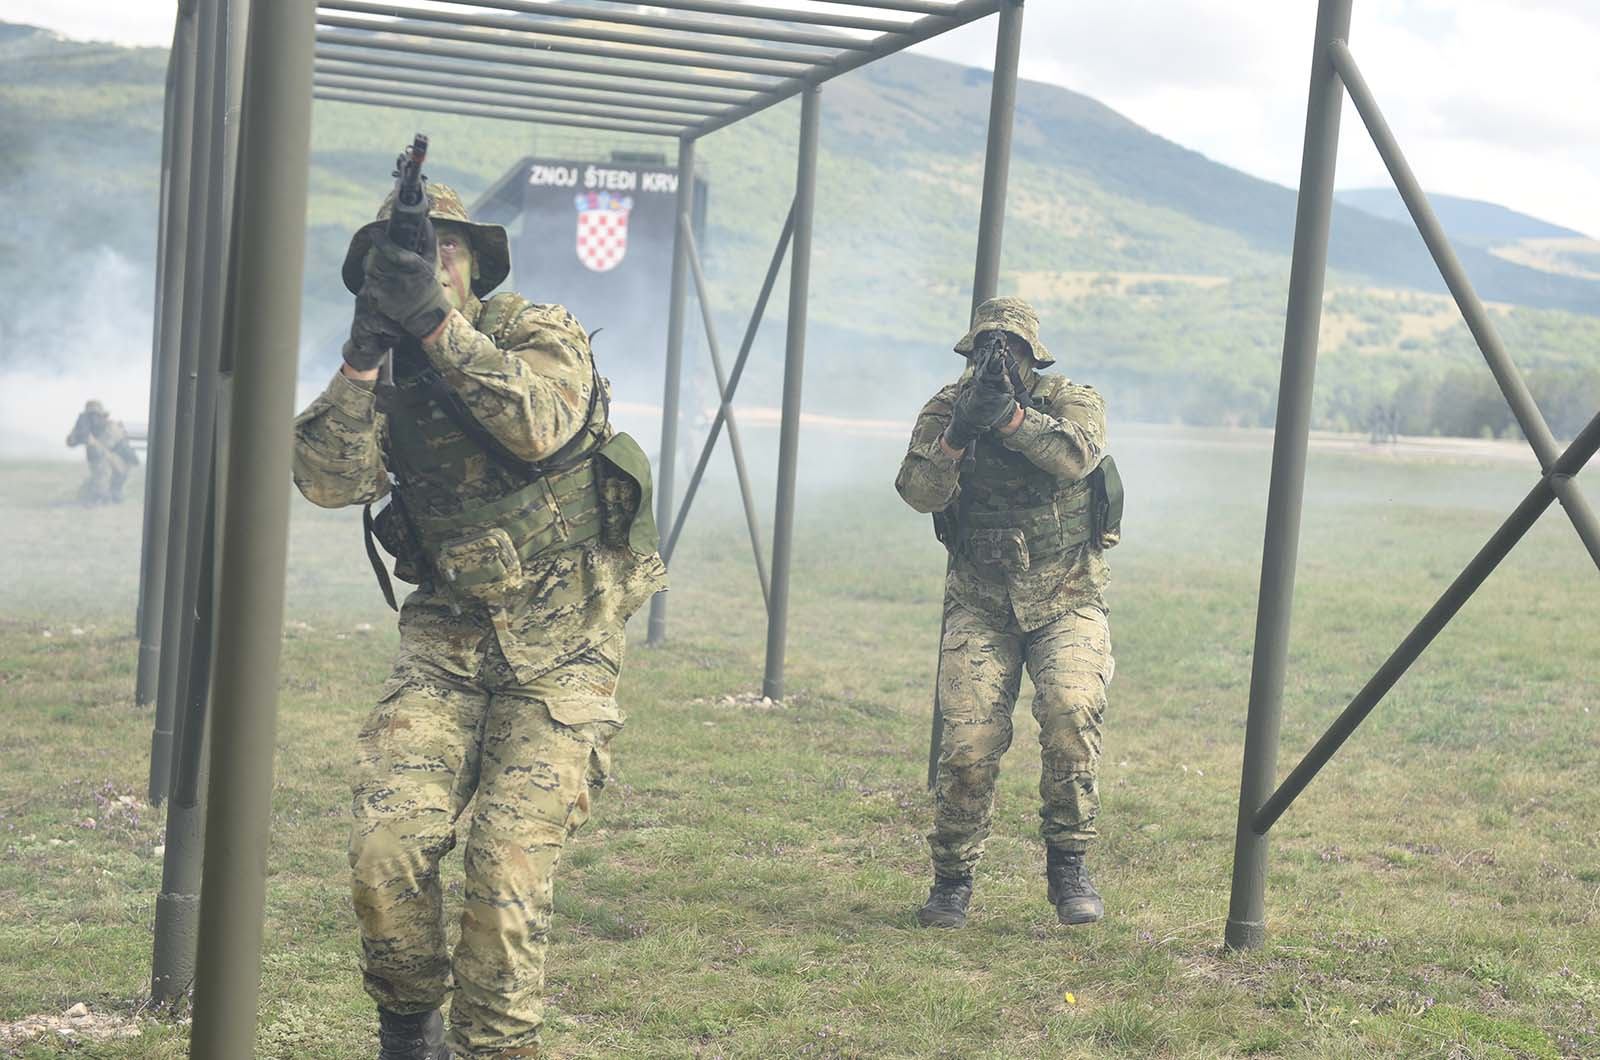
(409, 226)
(995, 346)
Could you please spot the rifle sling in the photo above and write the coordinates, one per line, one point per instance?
(378, 566)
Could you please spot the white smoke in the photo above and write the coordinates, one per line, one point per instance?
(90, 340)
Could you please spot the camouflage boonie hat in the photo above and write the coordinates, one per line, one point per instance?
(1007, 314)
(94, 407)
(490, 249)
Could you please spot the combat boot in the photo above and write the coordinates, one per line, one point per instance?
(1071, 892)
(947, 902)
(411, 1036)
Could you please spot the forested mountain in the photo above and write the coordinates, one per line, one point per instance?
(1161, 274)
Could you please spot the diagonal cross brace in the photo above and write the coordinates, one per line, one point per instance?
(725, 405)
(1512, 385)
(728, 390)
(1439, 615)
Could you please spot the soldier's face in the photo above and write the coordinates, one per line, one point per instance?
(456, 266)
(1019, 349)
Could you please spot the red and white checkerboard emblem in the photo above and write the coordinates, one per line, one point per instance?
(602, 230)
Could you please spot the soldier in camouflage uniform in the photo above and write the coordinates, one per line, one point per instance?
(110, 454)
(525, 519)
(1013, 462)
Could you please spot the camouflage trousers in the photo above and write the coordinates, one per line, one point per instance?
(106, 477)
(980, 674)
(533, 755)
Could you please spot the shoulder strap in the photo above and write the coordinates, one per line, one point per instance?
(575, 449)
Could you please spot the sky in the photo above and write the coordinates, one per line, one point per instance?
(1490, 99)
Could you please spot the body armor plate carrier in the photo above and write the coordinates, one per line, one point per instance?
(473, 540)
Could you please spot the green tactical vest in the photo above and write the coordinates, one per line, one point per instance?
(452, 484)
(477, 513)
(1012, 513)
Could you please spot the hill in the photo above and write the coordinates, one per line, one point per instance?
(1163, 269)
(1482, 224)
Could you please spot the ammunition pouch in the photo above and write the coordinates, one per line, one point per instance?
(1105, 509)
(626, 517)
(556, 510)
(1007, 548)
(1016, 538)
(483, 566)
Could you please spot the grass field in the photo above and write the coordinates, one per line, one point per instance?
(748, 884)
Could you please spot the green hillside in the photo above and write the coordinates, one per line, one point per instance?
(1161, 273)
(1483, 224)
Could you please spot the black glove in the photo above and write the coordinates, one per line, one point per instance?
(985, 400)
(371, 335)
(404, 286)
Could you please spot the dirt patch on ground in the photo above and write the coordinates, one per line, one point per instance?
(76, 1024)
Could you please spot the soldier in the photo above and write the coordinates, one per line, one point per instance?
(1013, 463)
(110, 454)
(525, 520)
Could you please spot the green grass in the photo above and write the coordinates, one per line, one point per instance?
(748, 884)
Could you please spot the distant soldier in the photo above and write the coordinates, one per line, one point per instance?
(525, 520)
(110, 454)
(1013, 463)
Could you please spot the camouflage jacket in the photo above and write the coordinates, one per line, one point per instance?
(1064, 435)
(104, 438)
(528, 382)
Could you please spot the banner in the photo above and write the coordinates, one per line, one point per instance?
(597, 238)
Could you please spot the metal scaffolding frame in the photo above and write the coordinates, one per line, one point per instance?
(1333, 71)
(240, 83)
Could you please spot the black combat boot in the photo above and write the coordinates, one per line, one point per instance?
(411, 1036)
(1071, 892)
(947, 902)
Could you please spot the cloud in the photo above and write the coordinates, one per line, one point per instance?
(1493, 95)
(1489, 98)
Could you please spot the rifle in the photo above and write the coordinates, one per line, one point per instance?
(409, 226)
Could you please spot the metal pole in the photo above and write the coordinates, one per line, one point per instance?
(673, 374)
(1512, 385)
(418, 72)
(164, 360)
(991, 234)
(504, 111)
(153, 400)
(997, 157)
(510, 51)
(264, 286)
(179, 596)
(439, 25)
(948, 18)
(805, 198)
(1246, 928)
(779, 253)
(725, 409)
(496, 68)
(634, 16)
(532, 100)
(177, 903)
(1439, 615)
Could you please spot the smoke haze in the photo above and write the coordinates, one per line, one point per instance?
(89, 339)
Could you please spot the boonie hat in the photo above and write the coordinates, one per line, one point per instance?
(1011, 315)
(490, 248)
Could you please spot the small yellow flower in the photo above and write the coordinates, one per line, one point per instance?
(1070, 998)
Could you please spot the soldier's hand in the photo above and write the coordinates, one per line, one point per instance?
(979, 406)
(404, 286)
(371, 335)
(991, 399)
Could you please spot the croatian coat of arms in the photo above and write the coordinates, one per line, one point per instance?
(602, 229)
